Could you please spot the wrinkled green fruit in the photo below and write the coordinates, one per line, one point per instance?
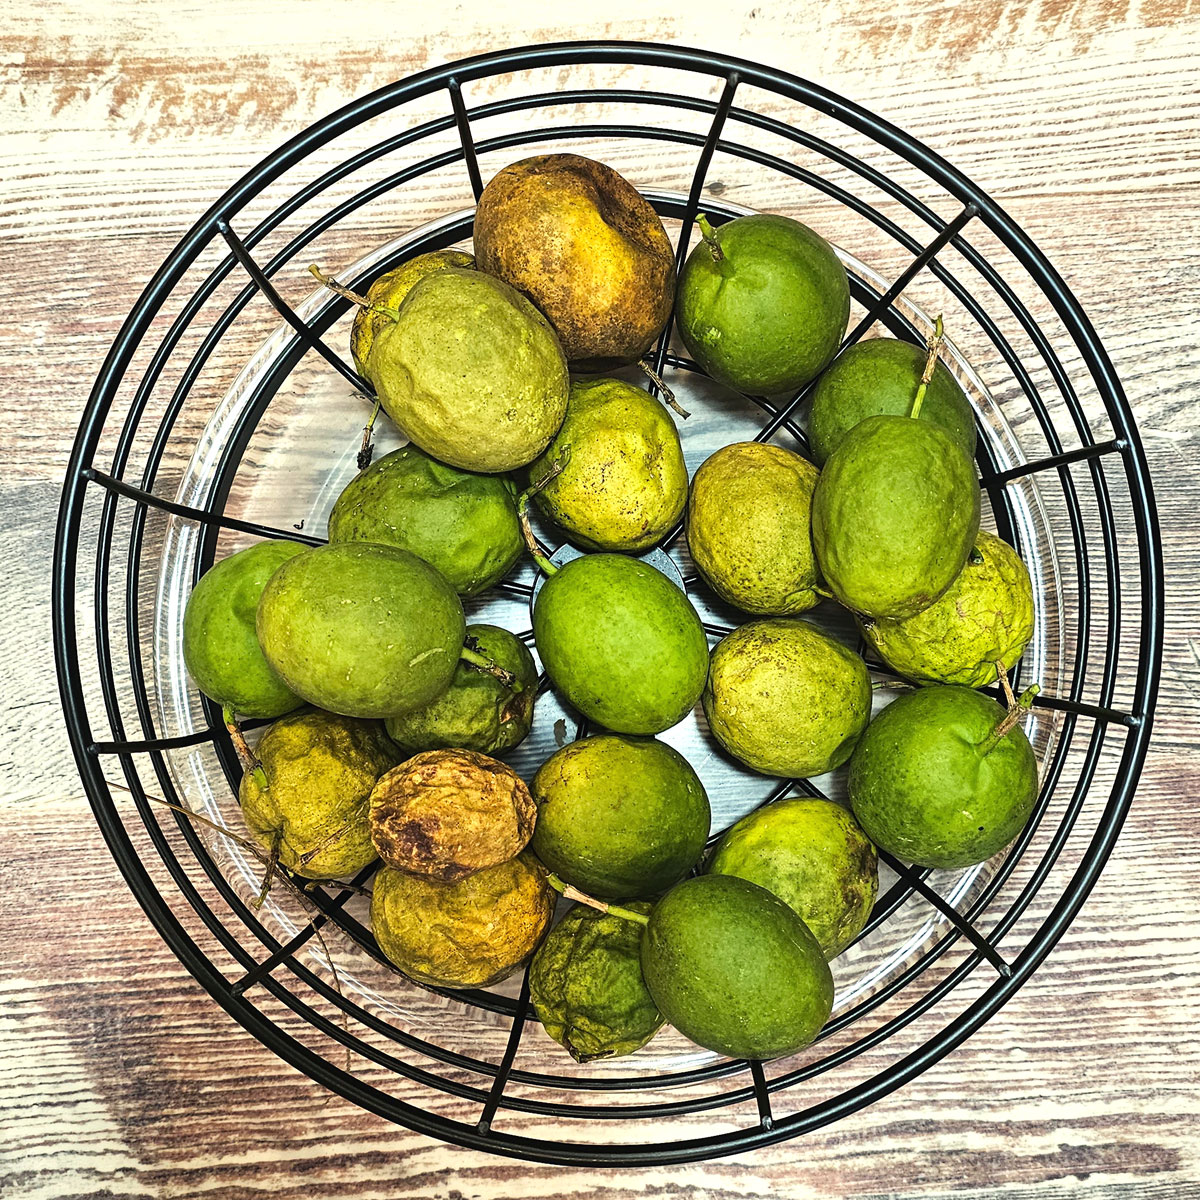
(462, 524)
(785, 699)
(621, 642)
(895, 514)
(472, 933)
(585, 983)
(926, 788)
(389, 291)
(477, 711)
(735, 969)
(985, 616)
(220, 647)
(619, 817)
(623, 483)
(772, 313)
(320, 771)
(878, 377)
(360, 629)
(471, 372)
(814, 857)
(749, 528)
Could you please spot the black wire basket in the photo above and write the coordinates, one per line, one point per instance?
(212, 424)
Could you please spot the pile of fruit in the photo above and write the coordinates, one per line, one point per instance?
(394, 714)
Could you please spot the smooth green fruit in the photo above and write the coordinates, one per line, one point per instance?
(320, 771)
(895, 514)
(586, 986)
(623, 482)
(464, 525)
(361, 629)
(477, 711)
(772, 313)
(985, 616)
(618, 816)
(926, 787)
(814, 857)
(748, 527)
(878, 377)
(220, 646)
(471, 372)
(621, 642)
(785, 699)
(735, 969)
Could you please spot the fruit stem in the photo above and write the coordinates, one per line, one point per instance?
(362, 302)
(272, 863)
(539, 555)
(932, 347)
(367, 449)
(472, 655)
(668, 396)
(710, 238)
(1017, 708)
(615, 910)
(250, 762)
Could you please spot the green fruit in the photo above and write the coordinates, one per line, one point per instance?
(785, 699)
(771, 313)
(320, 770)
(585, 983)
(477, 711)
(220, 647)
(361, 629)
(621, 642)
(735, 969)
(471, 372)
(927, 785)
(389, 290)
(462, 524)
(985, 616)
(895, 515)
(748, 527)
(619, 817)
(814, 857)
(623, 482)
(878, 377)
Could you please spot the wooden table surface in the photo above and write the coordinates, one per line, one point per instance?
(121, 122)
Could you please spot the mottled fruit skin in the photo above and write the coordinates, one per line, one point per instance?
(361, 629)
(471, 372)
(922, 788)
(984, 617)
(772, 313)
(735, 969)
(814, 857)
(472, 933)
(446, 814)
(619, 817)
(477, 711)
(621, 642)
(320, 770)
(749, 528)
(895, 514)
(878, 377)
(785, 699)
(220, 646)
(461, 523)
(585, 983)
(389, 291)
(623, 482)
(582, 244)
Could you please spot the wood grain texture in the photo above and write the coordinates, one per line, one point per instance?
(119, 125)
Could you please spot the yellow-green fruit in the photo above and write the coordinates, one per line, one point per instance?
(472, 933)
(785, 699)
(986, 616)
(389, 291)
(320, 771)
(749, 528)
(623, 482)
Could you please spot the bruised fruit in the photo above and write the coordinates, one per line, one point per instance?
(447, 814)
(320, 769)
(468, 934)
(463, 524)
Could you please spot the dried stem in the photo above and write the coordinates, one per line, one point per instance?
(367, 449)
(471, 653)
(1018, 706)
(710, 238)
(664, 391)
(932, 346)
(573, 893)
(536, 551)
(250, 763)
